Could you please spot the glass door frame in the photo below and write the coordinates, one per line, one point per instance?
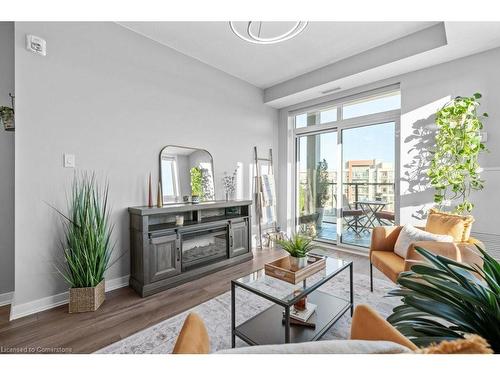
(339, 125)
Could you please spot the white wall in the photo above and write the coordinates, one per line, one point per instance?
(6, 165)
(423, 93)
(114, 99)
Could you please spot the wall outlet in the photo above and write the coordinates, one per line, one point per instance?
(69, 160)
(36, 44)
(484, 137)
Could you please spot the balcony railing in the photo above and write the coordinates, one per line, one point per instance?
(359, 191)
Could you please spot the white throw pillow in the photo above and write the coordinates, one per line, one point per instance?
(409, 234)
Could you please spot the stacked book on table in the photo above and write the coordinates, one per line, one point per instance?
(303, 317)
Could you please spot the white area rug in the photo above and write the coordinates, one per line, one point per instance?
(216, 313)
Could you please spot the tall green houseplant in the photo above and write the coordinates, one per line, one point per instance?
(87, 233)
(454, 169)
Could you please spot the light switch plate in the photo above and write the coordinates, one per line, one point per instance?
(69, 161)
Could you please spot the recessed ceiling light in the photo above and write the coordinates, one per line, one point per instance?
(246, 32)
(331, 90)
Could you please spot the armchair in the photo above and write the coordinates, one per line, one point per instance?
(383, 257)
(370, 334)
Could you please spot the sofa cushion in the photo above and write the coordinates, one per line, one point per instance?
(324, 347)
(409, 234)
(368, 324)
(193, 338)
(457, 226)
(389, 263)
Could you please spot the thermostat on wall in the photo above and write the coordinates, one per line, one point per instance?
(36, 44)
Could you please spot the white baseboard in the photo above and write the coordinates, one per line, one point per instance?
(6, 298)
(42, 304)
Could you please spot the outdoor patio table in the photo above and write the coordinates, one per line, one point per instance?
(370, 208)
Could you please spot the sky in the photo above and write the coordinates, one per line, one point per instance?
(367, 142)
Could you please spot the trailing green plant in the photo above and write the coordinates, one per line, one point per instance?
(454, 169)
(6, 113)
(298, 246)
(87, 233)
(444, 299)
(196, 182)
(322, 184)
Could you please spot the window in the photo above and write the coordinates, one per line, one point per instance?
(316, 118)
(362, 107)
(170, 182)
(345, 171)
(382, 103)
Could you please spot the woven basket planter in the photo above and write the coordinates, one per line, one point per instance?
(86, 299)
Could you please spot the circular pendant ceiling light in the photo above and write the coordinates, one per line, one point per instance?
(251, 32)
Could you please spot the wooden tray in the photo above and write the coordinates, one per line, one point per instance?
(281, 269)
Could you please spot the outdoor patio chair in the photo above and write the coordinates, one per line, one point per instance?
(352, 217)
(385, 217)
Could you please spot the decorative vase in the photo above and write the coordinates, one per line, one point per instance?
(297, 263)
(86, 299)
(195, 199)
(150, 193)
(301, 304)
(159, 196)
(8, 124)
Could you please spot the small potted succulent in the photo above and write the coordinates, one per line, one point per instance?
(297, 247)
(7, 117)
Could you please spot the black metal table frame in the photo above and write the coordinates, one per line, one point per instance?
(370, 209)
(287, 306)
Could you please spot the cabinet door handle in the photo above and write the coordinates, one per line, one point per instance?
(231, 241)
(178, 249)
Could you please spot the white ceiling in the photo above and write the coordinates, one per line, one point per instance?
(320, 44)
(290, 71)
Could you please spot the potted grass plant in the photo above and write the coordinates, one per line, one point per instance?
(87, 244)
(445, 300)
(297, 248)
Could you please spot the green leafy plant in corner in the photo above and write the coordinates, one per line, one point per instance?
(454, 169)
(444, 299)
(196, 182)
(322, 184)
(87, 233)
(298, 246)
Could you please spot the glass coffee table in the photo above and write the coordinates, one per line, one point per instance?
(272, 326)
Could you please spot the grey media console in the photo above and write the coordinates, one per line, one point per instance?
(214, 235)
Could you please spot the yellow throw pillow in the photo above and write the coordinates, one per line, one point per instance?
(457, 226)
(471, 344)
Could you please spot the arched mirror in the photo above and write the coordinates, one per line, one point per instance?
(187, 175)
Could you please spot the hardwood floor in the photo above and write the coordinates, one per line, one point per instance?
(124, 312)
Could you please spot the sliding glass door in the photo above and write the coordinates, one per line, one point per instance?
(368, 185)
(346, 169)
(316, 185)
